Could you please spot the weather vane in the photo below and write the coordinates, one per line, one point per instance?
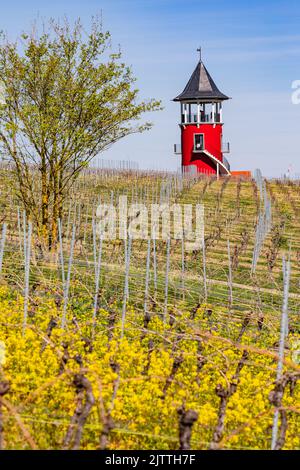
(200, 52)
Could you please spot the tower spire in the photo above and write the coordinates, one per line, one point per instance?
(200, 53)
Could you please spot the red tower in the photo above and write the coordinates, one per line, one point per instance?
(202, 146)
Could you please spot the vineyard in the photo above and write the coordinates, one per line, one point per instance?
(141, 344)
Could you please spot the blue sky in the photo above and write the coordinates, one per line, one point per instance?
(251, 49)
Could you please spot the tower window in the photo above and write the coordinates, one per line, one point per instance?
(198, 142)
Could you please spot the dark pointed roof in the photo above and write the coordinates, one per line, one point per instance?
(201, 86)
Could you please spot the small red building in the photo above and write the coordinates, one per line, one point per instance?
(201, 122)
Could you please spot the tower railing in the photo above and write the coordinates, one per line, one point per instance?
(203, 118)
(225, 147)
(177, 149)
(226, 163)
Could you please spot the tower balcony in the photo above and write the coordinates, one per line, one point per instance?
(201, 118)
(177, 149)
(225, 147)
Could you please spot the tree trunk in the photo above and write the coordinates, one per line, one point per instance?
(45, 205)
(58, 198)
